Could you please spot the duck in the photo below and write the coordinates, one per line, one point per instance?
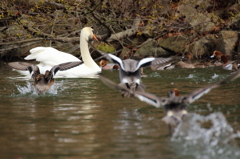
(182, 64)
(189, 62)
(49, 57)
(167, 66)
(130, 71)
(175, 106)
(227, 65)
(164, 63)
(43, 82)
(108, 66)
(176, 62)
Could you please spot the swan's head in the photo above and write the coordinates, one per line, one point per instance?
(87, 34)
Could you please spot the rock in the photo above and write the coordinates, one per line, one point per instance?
(125, 53)
(151, 48)
(229, 41)
(201, 22)
(204, 46)
(105, 47)
(235, 23)
(226, 42)
(238, 48)
(175, 44)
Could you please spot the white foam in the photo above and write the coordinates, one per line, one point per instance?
(26, 89)
(215, 76)
(217, 140)
(190, 76)
(29, 88)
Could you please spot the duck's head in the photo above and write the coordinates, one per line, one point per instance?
(115, 67)
(173, 93)
(88, 34)
(103, 63)
(187, 56)
(216, 54)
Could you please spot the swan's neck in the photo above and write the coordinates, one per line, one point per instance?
(86, 57)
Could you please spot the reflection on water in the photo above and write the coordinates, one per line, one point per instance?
(82, 118)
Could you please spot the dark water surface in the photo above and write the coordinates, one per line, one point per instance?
(82, 118)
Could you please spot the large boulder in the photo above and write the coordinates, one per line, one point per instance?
(175, 44)
(201, 22)
(228, 42)
(203, 47)
(152, 48)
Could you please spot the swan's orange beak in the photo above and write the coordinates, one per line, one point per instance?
(95, 37)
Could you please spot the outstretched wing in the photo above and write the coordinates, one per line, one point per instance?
(19, 65)
(62, 67)
(116, 60)
(143, 96)
(164, 62)
(201, 91)
(68, 65)
(144, 62)
(151, 99)
(34, 71)
(24, 66)
(112, 84)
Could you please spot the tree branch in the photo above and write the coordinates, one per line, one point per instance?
(126, 33)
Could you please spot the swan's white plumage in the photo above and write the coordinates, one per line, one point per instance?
(49, 57)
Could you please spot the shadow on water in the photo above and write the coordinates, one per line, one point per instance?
(82, 118)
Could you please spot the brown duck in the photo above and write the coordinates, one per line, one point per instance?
(42, 82)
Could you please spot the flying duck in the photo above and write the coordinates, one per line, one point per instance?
(175, 106)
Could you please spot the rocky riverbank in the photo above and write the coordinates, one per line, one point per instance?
(152, 28)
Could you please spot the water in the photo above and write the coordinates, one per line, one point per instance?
(82, 118)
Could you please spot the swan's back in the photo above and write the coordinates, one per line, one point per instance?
(50, 56)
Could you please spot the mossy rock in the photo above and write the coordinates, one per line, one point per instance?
(106, 47)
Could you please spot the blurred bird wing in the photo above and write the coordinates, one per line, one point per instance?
(113, 85)
(116, 60)
(34, 71)
(164, 61)
(19, 65)
(144, 62)
(201, 91)
(143, 96)
(24, 66)
(62, 67)
(151, 99)
(198, 93)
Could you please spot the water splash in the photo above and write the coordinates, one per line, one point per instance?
(214, 142)
(190, 76)
(154, 74)
(30, 89)
(215, 76)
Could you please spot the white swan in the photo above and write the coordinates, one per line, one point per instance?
(49, 57)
